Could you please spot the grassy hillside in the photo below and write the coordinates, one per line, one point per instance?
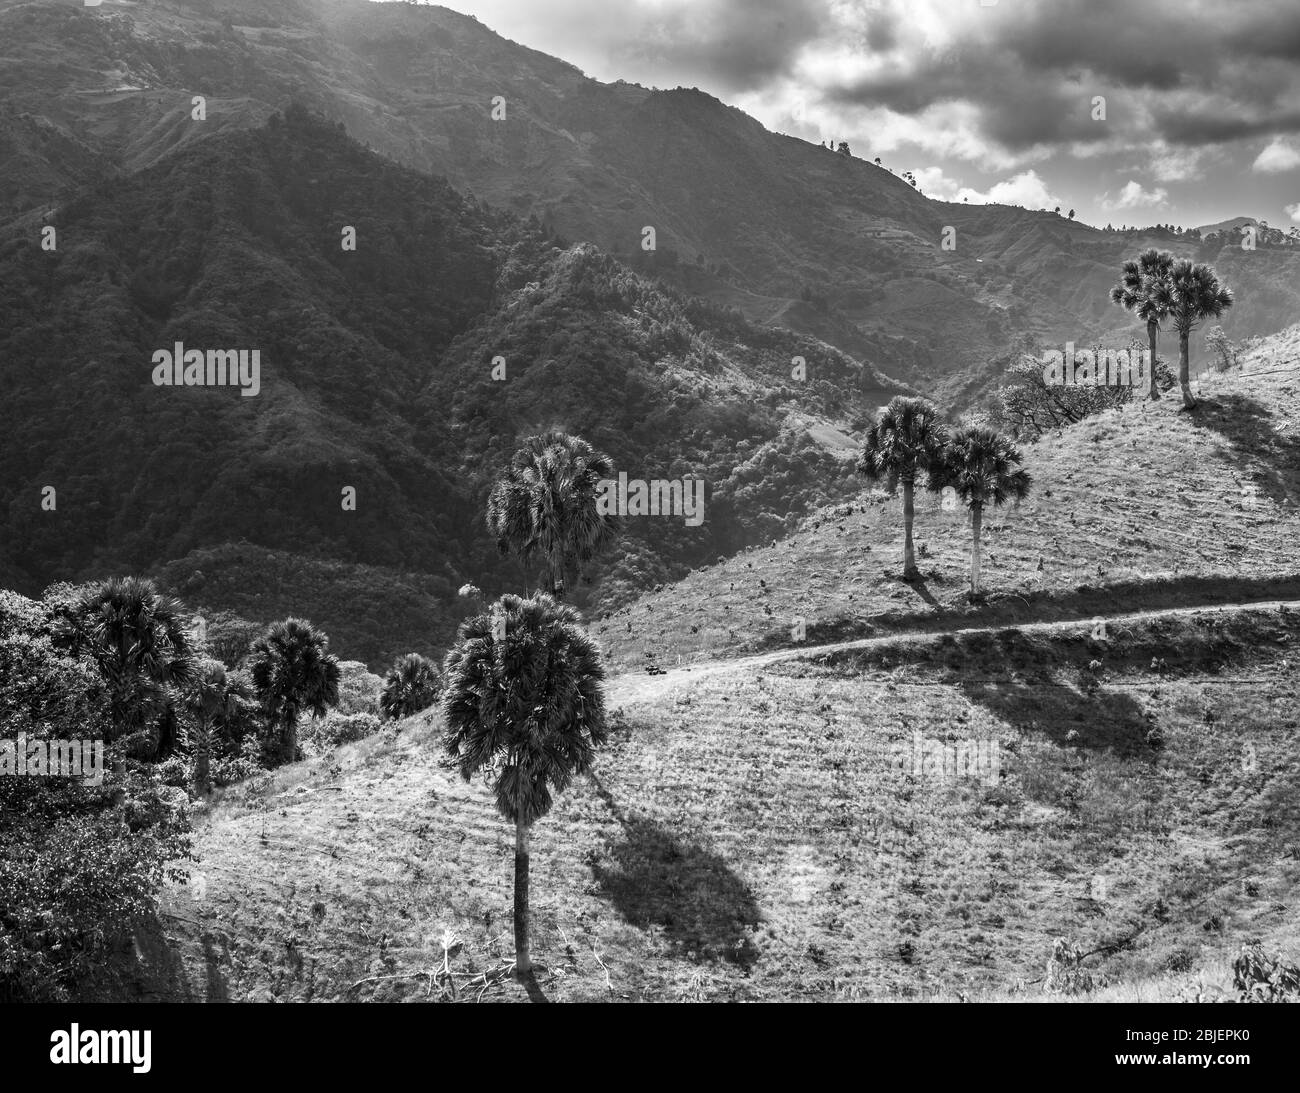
(752, 835)
(774, 826)
(1142, 506)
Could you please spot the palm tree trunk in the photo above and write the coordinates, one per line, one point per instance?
(1184, 366)
(1153, 333)
(202, 744)
(523, 962)
(291, 732)
(976, 523)
(909, 552)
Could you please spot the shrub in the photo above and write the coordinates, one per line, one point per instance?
(1261, 978)
(359, 688)
(336, 729)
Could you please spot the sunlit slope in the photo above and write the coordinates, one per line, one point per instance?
(764, 835)
(1141, 507)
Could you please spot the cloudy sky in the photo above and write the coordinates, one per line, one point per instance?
(984, 100)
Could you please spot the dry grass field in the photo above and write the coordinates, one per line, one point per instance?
(760, 834)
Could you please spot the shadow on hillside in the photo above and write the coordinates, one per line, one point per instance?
(654, 879)
(1262, 455)
(154, 970)
(1101, 721)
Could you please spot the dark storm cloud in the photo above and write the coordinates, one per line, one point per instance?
(1217, 128)
(740, 44)
(1031, 69)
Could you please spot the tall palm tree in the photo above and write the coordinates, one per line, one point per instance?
(138, 639)
(903, 443)
(527, 710)
(214, 698)
(293, 670)
(983, 466)
(1192, 294)
(412, 685)
(544, 505)
(1140, 291)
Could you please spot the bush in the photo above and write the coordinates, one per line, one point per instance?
(359, 688)
(174, 771)
(336, 729)
(1261, 978)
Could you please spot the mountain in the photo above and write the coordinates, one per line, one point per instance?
(1228, 225)
(376, 377)
(789, 232)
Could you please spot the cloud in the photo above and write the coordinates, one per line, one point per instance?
(1277, 156)
(1133, 196)
(1293, 211)
(1025, 189)
(1178, 165)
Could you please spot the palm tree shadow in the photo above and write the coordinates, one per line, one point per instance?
(652, 878)
(1098, 720)
(1262, 454)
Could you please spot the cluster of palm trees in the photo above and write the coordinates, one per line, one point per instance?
(164, 692)
(981, 467)
(1157, 287)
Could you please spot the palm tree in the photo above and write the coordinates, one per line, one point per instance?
(906, 440)
(293, 670)
(527, 710)
(983, 466)
(545, 505)
(1192, 294)
(1141, 291)
(215, 698)
(139, 641)
(412, 685)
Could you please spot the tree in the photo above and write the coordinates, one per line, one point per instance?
(904, 442)
(544, 505)
(1221, 344)
(138, 639)
(524, 706)
(1028, 405)
(1057, 210)
(843, 149)
(983, 466)
(1141, 290)
(293, 670)
(1071, 214)
(215, 698)
(412, 685)
(1192, 294)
